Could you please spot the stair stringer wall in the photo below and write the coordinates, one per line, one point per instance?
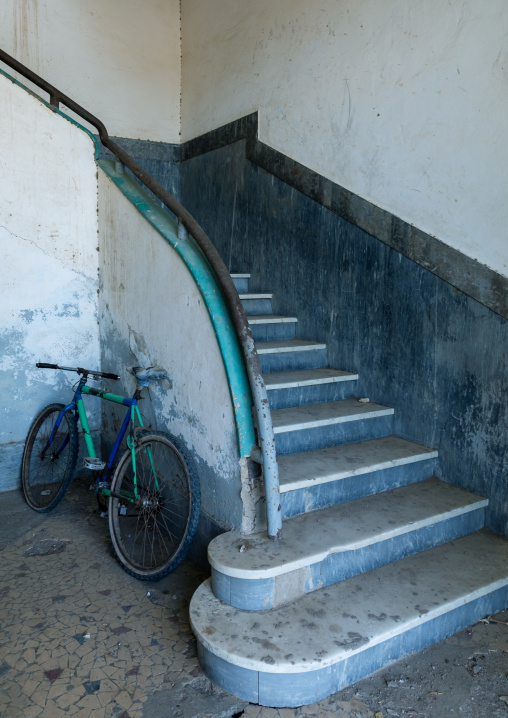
(418, 344)
(152, 312)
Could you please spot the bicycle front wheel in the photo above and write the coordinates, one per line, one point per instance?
(47, 469)
(152, 533)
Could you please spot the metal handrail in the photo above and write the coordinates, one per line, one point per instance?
(257, 385)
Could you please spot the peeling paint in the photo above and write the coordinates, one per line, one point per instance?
(48, 310)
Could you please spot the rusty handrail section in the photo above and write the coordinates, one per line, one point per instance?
(253, 367)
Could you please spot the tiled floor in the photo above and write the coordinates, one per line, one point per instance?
(81, 637)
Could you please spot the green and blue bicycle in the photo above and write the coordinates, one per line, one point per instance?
(152, 494)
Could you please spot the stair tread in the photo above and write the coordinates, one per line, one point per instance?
(255, 295)
(349, 617)
(287, 345)
(270, 319)
(297, 471)
(309, 416)
(310, 538)
(305, 377)
(240, 276)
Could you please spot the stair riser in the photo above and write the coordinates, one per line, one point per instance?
(286, 361)
(354, 487)
(313, 394)
(270, 332)
(259, 594)
(241, 284)
(320, 437)
(296, 689)
(257, 306)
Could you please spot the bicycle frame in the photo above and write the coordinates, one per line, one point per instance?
(132, 417)
(152, 490)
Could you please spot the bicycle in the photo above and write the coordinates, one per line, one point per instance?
(153, 493)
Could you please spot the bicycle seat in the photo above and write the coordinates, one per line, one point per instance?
(149, 375)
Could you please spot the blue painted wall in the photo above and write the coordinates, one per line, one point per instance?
(159, 159)
(430, 351)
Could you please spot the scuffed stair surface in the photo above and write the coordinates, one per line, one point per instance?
(287, 345)
(305, 377)
(266, 656)
(297, 471)
(295, 418)
(310, 538)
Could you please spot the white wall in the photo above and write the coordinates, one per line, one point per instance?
(120, 59)
(48, 237)
(153, 313)
(403, 103)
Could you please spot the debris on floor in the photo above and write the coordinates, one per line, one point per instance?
(46, 547)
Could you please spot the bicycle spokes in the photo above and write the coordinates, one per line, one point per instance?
(150, 531)
(49, 458)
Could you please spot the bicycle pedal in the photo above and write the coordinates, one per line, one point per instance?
(90, 462)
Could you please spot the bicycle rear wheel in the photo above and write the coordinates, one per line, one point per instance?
(152, 535)
(47, 470)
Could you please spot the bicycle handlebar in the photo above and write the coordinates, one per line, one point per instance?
(79, 370)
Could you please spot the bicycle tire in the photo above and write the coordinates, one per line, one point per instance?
(153, 536)
(45, 481)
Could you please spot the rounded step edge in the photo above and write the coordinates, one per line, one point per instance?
(335, 543)
(351, 633)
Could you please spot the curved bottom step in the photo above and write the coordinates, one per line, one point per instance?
(323, 547)
(300, 653)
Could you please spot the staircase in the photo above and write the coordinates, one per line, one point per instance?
(378, 559)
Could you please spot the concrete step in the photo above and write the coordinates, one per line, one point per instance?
(255, 295)
(306, 377)
(302, 652)
(276, 356)
(315, 479)
(308, 386)
(241, 282)
(256, 302)
(315, 426)
(267, 327)
(338, 542)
